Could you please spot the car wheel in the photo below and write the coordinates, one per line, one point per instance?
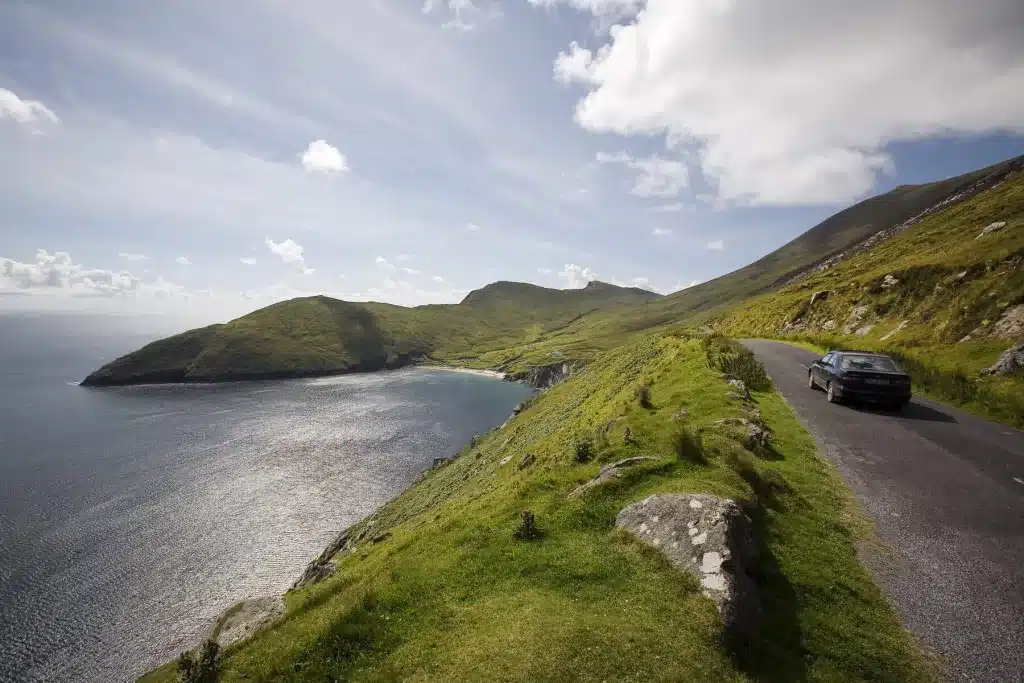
(810, 381)
(830, 394)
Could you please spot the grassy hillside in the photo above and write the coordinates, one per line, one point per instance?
(446, 592)
(320, 335)
(941, 295)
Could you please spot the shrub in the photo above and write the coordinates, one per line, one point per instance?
(527, 529)
(643, 395)
(202, 669)
(687, 444)
(583, 449)
(731, 358)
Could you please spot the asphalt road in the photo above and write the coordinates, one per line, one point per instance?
(946, 491)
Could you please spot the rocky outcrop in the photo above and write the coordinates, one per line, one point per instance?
(890, 281)
(323, 566)
(739, 387)
(990, 228)
(246, 618)
(754, 434)
(1011, 324)
(1011, 362)
(608, 473)
(856, 316)
(819, 296)
(708, 537)
(543, 376)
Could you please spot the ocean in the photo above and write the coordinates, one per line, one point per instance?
(130, 517)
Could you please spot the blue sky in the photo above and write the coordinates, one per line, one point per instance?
(216, 157)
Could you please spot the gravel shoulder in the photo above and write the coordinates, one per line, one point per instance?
(945, 490)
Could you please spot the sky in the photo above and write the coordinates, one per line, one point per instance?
(215, 157)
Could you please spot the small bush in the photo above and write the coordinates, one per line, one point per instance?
(583, 449)
(687, 444)
(202, 669)
(643, 395)
(731, 358)
(527, 529)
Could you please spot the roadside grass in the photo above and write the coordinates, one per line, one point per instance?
(452, 595)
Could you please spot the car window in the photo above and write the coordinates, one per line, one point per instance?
(826, 359)
(879, 363)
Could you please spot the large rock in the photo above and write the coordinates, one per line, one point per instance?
(543, 376)
(245, 618)
(755, 435)
(990, 228)
(1011, 324)
(819, 296)
(856, 316)
(708, 537)
(1010, 363)
(889, 281)
(608, 473)
(323, 566)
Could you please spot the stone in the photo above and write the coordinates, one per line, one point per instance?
(1010, 363)
(680, 414)
(1011, 324)
(856, 316)
(889, 281)
(506, 460)
(863, 331)
(323, 566)
(828, 325)
(755, 435)
(960, 276)
(896, 330)
(733, 396)
(990, 228)
(439, 462)
(527, 460)
(608, 473)
(739, 386)
(721, 554)
(820, 296)
(246, 618)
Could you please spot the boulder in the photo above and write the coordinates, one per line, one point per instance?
(680, 414)
(1011, 324)
(608, 473)
(739, 386)
(855, 317)
(828, 325)
(863, 331)
(889, 281)
(323, 566)
(990, 228)
(755, 434)
(820, 296)
(708, 537)
(245, 618)
(1011, 362)
(527, 460)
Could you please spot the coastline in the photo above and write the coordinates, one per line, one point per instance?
(468, 371)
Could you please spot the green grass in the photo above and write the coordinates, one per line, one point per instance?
(453, 595)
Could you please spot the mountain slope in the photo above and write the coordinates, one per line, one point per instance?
(320, 335)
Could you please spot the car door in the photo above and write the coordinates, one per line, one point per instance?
(819, 370)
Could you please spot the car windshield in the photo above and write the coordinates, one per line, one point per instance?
(880, 363)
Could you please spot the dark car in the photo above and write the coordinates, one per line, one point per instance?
(860, 376)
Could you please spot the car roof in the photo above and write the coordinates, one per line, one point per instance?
(862, 353)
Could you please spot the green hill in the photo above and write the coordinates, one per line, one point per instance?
(320, 335)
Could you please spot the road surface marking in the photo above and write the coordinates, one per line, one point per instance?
(1019, 481)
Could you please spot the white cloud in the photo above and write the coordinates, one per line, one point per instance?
(183, 261)
(248, 260)
(56, 274)
(667, 208)
(410, 271)
(545, 271)
(794, 102)
(716, 245)
(656, 177)
(577, 276)
(289, 252)
(24, 111)
(324, 158)
(661, 232)
(127, 256)
(438, 279)
(384, 264)
(472, 227)
(405, 257)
